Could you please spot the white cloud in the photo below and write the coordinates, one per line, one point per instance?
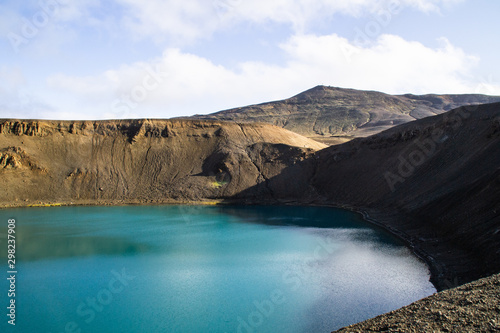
(56, 22)
(180, 83)
(177, 19)
(390, 64)
(189, 20)
(430, 5)
(72, 10)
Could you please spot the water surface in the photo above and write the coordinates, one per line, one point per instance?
(203, 269)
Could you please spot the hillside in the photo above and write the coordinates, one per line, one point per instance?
(443, 172)
(435, 181)
(334, 115)
(136, 160)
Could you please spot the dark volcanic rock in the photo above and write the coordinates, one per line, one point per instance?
(442, 172)
(435, 182)
(474, 307)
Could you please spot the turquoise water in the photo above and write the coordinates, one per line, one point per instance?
(202, 269)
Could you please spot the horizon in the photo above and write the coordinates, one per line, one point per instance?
(124, 59)
(193, 116)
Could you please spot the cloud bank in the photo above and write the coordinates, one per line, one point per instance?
(180, 83)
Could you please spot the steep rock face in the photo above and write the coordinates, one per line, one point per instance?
(443, 171)
(437, 180)
(16, 158)
(144, 160)
(323, 112)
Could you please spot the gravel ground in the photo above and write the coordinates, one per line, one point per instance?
(473, 307)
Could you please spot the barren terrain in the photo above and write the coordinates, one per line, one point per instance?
(434, 182)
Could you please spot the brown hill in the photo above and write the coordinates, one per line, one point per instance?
(136, 160)
(334, 115)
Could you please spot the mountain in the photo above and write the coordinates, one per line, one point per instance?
(334, 115)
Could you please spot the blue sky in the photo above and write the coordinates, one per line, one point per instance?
(97, 59)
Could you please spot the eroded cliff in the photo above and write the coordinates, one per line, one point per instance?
(139, 160)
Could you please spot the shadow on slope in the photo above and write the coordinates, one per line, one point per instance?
(437, 180)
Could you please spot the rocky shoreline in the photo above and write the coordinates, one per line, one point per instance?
(473, 307)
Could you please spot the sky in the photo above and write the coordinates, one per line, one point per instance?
(114, 59)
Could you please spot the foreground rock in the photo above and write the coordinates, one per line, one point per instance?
(474, 307)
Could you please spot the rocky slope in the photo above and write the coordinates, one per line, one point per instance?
(442, 172)
(323, 112)
(435, 181)
(474, 307)
(138, 160)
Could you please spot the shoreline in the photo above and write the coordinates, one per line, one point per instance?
(436, 268)
(104, 203)
(440, 302)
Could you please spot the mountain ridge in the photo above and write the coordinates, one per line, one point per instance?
(329, 114)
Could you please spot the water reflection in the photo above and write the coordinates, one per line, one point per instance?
(37, 242)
